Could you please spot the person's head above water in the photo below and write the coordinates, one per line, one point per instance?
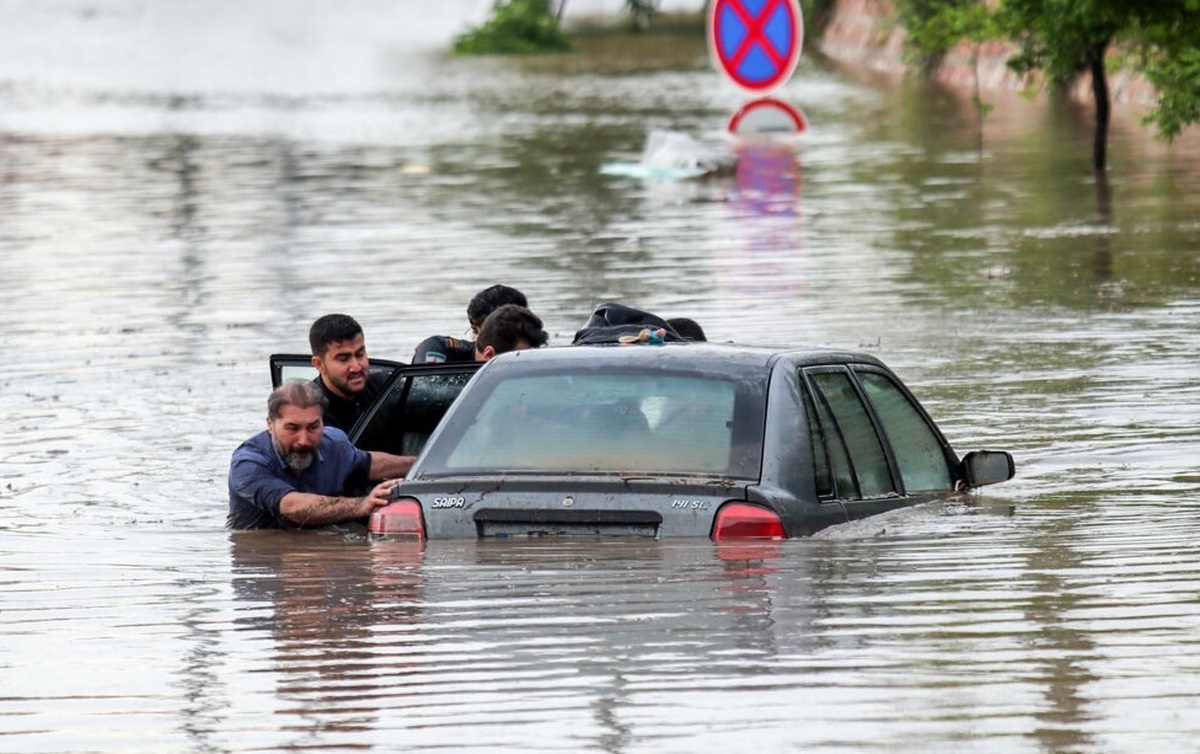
(489, 300)
(688, 329)
(295, 412)
(339, 354)
(509, 328)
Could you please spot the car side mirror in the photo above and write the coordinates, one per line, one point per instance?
(982, 467)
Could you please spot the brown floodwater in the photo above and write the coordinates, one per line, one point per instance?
(185, 186)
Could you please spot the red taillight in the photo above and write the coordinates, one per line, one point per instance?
(746, 521)
(400, 519)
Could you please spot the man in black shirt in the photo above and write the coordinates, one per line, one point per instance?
(344, 373)
(442, 348)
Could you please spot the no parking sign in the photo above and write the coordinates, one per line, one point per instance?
(756, 43)
(767, 115)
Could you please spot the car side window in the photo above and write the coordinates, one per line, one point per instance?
(917, 448)
(406, 415)
(822, 449)
(850, 432)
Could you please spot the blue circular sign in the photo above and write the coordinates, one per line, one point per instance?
(756, 42)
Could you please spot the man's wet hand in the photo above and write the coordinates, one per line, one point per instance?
(381, 494)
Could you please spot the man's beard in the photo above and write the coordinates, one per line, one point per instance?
(343, 386)
(297, 462)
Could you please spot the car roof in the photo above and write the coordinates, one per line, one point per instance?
(688, 355)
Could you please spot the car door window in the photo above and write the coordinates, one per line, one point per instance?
(827, 453)
(917, 448)
(410, 408)
(850, 434)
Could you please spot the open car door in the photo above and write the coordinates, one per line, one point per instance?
(408, 408)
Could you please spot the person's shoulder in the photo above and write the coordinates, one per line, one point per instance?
(334, 435)
(336, 444)
(256, 440)
(433, 340)
(256, 448)
(336, 440)
(320, 383)
(429, 350)
(438, 349)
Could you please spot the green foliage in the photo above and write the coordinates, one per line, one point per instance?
(1177, 81)
(934, 26)
(1063, 38)
(1170, 56)
(984, 108)
(516, 27)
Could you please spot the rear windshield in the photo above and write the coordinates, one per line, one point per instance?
(611, 422)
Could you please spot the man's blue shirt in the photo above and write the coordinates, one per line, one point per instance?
(258, 478)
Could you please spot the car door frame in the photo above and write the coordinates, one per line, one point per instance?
(862, 507)
(278, 362)
(392, 371)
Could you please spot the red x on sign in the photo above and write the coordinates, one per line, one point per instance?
(756, 42)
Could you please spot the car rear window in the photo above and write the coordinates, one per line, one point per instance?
(620, 423)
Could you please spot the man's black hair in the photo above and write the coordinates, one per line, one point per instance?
(509, 325)
(489, 300)
(688, 329)
(331, 328)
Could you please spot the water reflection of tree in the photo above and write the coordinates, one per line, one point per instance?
(334, 607)
(1066, 649)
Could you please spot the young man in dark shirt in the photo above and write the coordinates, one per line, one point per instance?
(339, 353)
(442, 348)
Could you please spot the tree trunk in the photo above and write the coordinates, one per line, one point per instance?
(1103, 107)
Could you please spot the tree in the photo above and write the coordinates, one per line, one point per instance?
(1065, 38)
(516, 27)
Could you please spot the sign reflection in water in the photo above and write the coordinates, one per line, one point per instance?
(766, 218)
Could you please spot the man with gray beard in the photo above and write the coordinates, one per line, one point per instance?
(296, 473)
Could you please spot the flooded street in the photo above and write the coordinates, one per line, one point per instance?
(185, 186)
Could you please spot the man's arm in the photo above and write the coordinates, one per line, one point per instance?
(388, 466)
(306, 508)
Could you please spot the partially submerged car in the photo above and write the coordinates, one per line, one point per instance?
(674, 440)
